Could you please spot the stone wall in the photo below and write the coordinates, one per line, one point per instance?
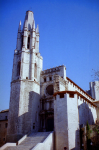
(87, 112)
(73, 122)
(71, 111)
(24, 109)
(3, 126)
(60, 123)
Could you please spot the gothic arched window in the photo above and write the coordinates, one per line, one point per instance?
(28, 42)
(18, 68)
(35, 70)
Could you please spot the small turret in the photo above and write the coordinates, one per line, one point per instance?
(34, 25)
(25, 35)
(19, 29)
(37, 39)
(18, 46)
(33, 35)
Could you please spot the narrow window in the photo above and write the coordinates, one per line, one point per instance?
(6, 125)
(44, 79)
(5, 117)
(42, 105)
(33, 125)
(35, 70)
(50, 78)
(0, 125)
(18, 68)
(50, 104)
(3, 139)
(28, 43)
(42, 122)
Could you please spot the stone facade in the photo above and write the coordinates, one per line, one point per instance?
(3, 126)
(45, 100)
(25, 84)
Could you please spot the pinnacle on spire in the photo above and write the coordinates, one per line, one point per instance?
(34, 25)
(19, 29)
(25, 24)
(37, 29)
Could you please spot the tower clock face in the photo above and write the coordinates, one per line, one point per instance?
(49, 90)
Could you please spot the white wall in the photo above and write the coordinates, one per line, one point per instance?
(73, 123)
(69, 114)
(60, 122)
(48, 143)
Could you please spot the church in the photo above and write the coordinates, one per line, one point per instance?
(46, 100)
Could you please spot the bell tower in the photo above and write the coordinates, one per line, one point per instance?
(25, 85)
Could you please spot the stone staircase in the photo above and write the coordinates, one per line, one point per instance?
(31, 141)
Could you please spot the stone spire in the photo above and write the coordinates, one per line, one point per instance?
(37, 29)
(34, 24)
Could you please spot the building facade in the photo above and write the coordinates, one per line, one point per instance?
(45, 100)
(3, 126)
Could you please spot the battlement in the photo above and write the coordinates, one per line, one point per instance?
(55, 69)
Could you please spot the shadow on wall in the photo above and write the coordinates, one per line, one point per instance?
(77, 140)
(85, 114)
(28, 121)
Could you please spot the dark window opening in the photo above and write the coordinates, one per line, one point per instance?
(0, 125)
(5, 117)
(50, 104)
(35, 70)
(33, 125)
(42, 105)
(42, 122)
(28, 43)
(26, 77)
(3, 139)
(61, 95)
(18, 68)
(71, 95)
(50, 78)
(6, 125)
(44, 79)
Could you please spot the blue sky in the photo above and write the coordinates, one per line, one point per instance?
(69, 35)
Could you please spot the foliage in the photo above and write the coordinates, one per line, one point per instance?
(95, 74)
(88, 130)
(96, 129)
